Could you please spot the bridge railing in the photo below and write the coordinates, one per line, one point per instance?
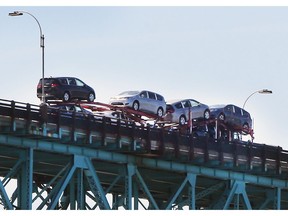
(169, 144)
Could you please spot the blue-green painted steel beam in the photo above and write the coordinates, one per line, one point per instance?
(95, 185)
(238, 188)
(147, 162)
(176, 194)
(72, 196)
(51, 195)
(192, 181)
(51, 182)
(80, 190)
(230, 196)
(278, 198)
(60, 189)
(135, 195)
(113, 184)
(146, 190)
(12, 172)
(25, 180)
(128, 186)
(4, 197)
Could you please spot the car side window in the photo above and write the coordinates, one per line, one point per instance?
(186, 104)
(63, 81)
(79, 83)
(178, 105)
(71, 81)
(238, 111)
(152, 95)
(228, 109)
(245, 114)
(143, 94)
(159, 97)
(194, 103)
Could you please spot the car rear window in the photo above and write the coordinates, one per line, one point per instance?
(47, 81)
(159, 97)
(245, 114)
(178, 105)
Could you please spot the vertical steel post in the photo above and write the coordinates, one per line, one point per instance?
(128, 185)
(5, 200)
(72, 195)
(278, 198)
(25, 180)
(192, 181)
(80, 190)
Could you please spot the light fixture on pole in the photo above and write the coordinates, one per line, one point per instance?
(263, 91)
(20, 13)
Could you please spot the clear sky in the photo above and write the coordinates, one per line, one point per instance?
(216, 55)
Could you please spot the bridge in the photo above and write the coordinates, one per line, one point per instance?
(59, 160)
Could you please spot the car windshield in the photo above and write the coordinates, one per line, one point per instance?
(129, 93)
(47, 81)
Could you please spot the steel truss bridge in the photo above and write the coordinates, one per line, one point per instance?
(57, 160)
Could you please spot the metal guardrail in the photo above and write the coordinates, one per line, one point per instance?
(172, 145)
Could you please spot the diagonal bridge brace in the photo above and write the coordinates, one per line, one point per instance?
(79, 162)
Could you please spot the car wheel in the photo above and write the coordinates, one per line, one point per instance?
(160, 112)
(221, 117)
(91, 97)
(66, 97)
(206, 114)
(182, 120)
(135, 105)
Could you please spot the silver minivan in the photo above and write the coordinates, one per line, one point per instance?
(146, 101)
(178, 111)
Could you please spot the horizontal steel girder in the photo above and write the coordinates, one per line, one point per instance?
(90, 152)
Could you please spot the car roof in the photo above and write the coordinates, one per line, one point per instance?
(62, 77)
(135, 92)
(178, 100)
(219, 106)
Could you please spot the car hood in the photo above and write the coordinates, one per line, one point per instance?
(126, 94)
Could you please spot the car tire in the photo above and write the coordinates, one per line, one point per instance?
(206, 114)
(91, 97)
(182, 120)
(160, 112)
(221, 117)
(66, 97)
(135, 105)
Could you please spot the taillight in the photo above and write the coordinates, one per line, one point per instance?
(39, 85)
(54, 85)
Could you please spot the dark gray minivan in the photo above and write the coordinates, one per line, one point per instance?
(232, 115)
(65, 88)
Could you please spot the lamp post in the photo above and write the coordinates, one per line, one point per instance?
(263, 91)
(20, 13)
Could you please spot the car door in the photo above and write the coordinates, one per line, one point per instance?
(196, 109)
(151, 105)
(72, 87)
(238, 117)
(81, 90)
(229, 116)
(186, 106)
(144, 101)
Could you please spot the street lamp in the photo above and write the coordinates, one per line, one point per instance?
(263, 91)
(20, 13)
